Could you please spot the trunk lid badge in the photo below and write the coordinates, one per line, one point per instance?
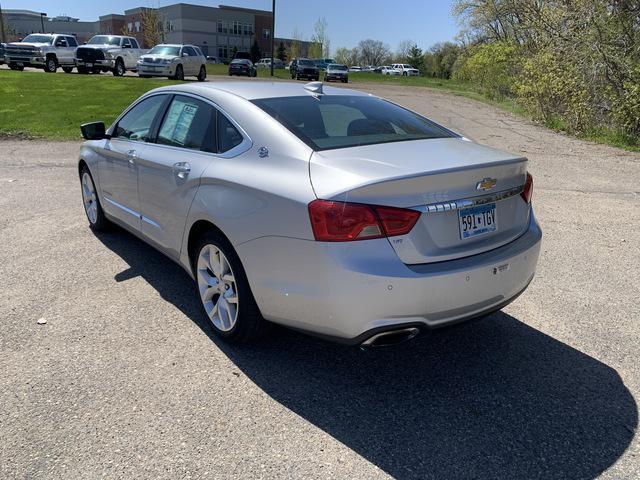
(486, 183)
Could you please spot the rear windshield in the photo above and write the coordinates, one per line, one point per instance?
(38, 39)
(328, 122)
(165, 50)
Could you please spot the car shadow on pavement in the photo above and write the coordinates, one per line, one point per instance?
(489, 399)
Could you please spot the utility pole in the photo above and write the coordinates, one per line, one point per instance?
(273, 31)
(3, 38)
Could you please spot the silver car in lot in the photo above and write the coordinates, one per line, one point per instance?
(173, 61)
(323, 209)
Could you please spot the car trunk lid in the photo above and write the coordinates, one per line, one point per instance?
(442, 178)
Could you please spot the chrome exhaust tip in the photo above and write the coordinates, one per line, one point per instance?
(392, 337)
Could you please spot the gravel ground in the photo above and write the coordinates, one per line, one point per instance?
(124, 380)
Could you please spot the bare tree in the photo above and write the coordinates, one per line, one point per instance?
(293, 50)
(320, 36)
(373, 52)
(347, 56)
(403, 50)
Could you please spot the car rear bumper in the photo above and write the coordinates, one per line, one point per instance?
(350, 291)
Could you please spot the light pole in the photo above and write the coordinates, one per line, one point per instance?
(42, 15)
(3, 39)
(273, 31)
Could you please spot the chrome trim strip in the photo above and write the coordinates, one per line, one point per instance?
(149, 221)
(469, 202)
(122, 207)
(132, 212)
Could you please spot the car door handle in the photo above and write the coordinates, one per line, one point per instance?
(182, 169)
(132, 155)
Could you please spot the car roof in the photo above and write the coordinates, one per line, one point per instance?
(252, 90)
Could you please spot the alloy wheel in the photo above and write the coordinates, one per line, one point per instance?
(217, 287)
(89, 198)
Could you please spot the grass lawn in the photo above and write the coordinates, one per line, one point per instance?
(38, 105)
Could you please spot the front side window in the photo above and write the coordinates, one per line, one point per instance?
(126, 43)
(189, 123)
(136, 124)
(329, 122)
(189, 51)
(72, 42)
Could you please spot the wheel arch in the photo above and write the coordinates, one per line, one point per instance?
(197, 229)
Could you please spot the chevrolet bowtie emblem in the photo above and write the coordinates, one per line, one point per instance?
(486, 184)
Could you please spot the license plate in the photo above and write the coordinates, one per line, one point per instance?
(89, 65)
(478, 220)
(20, 64)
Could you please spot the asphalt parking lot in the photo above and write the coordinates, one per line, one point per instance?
(125, 381)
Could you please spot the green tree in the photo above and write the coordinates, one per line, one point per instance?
(256, 53)
(282, 53)
(416, 59)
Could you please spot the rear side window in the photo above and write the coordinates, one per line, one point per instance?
(189, 123)
(228, 135)
(329, 122)
(134, 43)
(136, 123)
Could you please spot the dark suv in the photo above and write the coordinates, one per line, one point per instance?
(304, 68)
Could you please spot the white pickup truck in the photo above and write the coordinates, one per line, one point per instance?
(42, 50)
(109, 53)
(406, 69)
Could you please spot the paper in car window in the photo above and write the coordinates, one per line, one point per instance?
(178, 121)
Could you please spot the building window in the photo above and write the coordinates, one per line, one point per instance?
(223, 52)
(219, 26)
(266, 33)
(137, 26)
(237, 29)
(130, 27)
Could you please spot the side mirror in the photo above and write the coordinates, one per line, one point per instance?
(94, 131)
(185, 54)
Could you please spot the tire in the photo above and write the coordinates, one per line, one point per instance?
(404, 74)
(14, 66)
(345, 80)
(118, 69)
(83, 71)
(202, 75)
(179, 73)
(51, 64)
(144, 76)
(92, 207)
(67, 69)
(219, 276)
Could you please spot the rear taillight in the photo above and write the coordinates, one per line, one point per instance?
(527, 192)
(345, 222)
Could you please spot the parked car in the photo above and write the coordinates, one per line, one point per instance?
(173, 61)
(336, 72)
(304, 68)
(266, 63)
(109, 53)
(406, 69)
(242, 67)
(44, 51)
(2, 45)
(313, 207)
(355, 68)
(386, 70)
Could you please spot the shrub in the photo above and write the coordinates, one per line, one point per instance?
(494, 67)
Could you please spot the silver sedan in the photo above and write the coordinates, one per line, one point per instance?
(323, 209)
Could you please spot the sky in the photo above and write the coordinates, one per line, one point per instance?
(424, 22)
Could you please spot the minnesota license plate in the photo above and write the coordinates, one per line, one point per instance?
(478, 220)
